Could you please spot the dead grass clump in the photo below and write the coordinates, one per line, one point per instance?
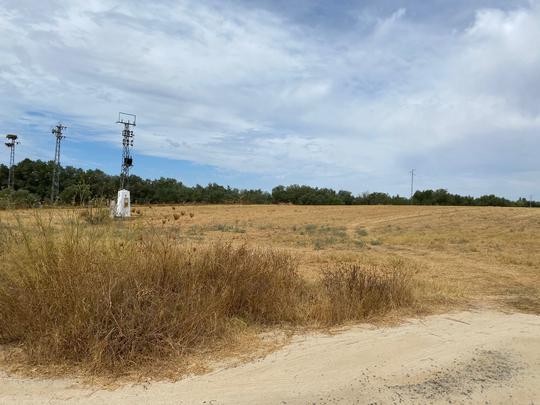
(361, 231)
(89, 297)
(95, 215)
(80, 297)
(356, 292)
(226, 228)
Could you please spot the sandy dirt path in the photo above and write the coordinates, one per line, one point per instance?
(467, 357)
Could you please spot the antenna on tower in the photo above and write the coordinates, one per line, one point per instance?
(123, 202)
(11, 141)
(128, 120)
(57, 131)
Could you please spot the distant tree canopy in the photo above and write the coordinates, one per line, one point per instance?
(77, 186)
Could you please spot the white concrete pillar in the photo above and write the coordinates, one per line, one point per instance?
(123, 204)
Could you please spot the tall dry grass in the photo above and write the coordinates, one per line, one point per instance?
(356, 292)
(81, 294)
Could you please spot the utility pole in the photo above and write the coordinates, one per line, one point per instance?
(128, 120)
(57, 131)
(10, 143)
(123, 202)
(412, 184)
(530, 201)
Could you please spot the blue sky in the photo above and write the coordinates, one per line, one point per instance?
(342, 94)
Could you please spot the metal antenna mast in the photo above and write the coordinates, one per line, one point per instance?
(412, 183)
(55, 188)
(10, 143)
(128, 120)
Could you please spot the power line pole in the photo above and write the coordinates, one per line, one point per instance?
(128, 120)
(11, 142)
(412, 184)
(123, 202)
(57, 131)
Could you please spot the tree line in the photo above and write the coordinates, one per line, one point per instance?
(77, 186)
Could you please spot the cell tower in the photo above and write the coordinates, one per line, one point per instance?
(123, 202)
(57, 131)
(10, 143)
(128, 120)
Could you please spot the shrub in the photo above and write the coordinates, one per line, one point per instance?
(360, 231)
(17, 199)
(80, 296)
(359, 243)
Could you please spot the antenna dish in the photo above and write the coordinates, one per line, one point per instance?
(11, 137)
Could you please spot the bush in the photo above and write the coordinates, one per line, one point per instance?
(80, 296)
(85, 296)
(17, 199)
(361, 231)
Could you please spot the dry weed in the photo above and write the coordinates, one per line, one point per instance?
(89, 297)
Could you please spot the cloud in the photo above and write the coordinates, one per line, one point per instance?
(251, 90)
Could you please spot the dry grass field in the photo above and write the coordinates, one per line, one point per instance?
(486, 256)
(79, 289)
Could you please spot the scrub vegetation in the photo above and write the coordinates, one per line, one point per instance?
(108, 298)
(83, 291)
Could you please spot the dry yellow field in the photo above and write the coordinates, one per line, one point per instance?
(473, 255)
(483, 258)
(468, 255)
(479, 256)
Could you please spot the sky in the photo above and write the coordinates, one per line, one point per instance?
(343, 94)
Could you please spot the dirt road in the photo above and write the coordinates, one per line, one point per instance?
(468, 357)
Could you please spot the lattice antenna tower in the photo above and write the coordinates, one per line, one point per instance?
(11, 141)
(58, 132)
(128, 120)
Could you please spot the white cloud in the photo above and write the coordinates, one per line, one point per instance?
(247, 90)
